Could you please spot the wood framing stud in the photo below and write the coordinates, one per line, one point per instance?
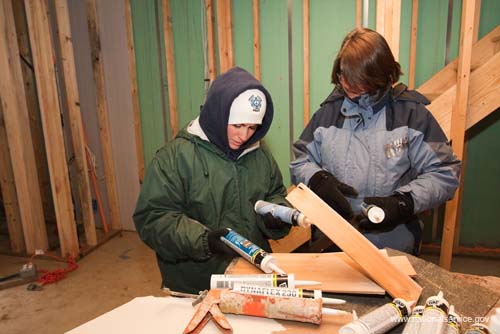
(225, 33)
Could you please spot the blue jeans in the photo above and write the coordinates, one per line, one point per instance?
(399, 238)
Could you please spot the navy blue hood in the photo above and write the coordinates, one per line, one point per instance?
(214, 113)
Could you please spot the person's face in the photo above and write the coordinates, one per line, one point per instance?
(351, 92)
(238, 134)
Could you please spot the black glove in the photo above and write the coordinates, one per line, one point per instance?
(271, 222)
(215, 245)
(398, 209)
(333, 192)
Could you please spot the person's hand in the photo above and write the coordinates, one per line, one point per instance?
(398, 208)
(333, 192)
(271, 222)
(215, 245)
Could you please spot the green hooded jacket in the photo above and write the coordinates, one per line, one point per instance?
(193, 186)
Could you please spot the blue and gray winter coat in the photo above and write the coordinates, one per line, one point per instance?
(393, 145)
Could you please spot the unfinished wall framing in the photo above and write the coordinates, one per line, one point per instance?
(69, 142)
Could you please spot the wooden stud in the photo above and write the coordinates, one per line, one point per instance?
(359, 13)
(458, 124)
(75, 119)
(168, 35)
(16, 118)
(307, 91)
(43, 59)
(212, 70)
(388, 23)
(256, 39)
(354, 244)
(458, 227)
(413, 44)
(133, 90)
(225, 34)
(35, 120)
(9, 195)
(102, 114)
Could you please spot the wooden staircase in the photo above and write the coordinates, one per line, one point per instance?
(484, 90)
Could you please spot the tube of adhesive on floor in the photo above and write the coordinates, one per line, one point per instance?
(284, 292)
(478, 328)
(251, 252)
(454, 322)
(435, 316)
(269, 280)
(380, 320)
(374, 213)
(413, 324)
(296, 309)
(286, 214)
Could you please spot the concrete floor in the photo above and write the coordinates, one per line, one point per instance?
(113, 274)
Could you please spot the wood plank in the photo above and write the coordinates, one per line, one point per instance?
(168, 35)
(484, 96)
(413, 44)
(8, 192)
(43, 59)
(16, 118)
(225, 34)
(103, 115)
(297, 237)
(354, 244)
(136, 109)
(337, 272)
(458, 125)
(35, 120)
(256, 39)
(209, 12)
(388, 23)
(443, 80)
(75, 119)
(307, 91)
(359, 13)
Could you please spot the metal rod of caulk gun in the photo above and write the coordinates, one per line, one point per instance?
(286, 214)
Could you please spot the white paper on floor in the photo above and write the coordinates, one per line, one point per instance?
(162, 315)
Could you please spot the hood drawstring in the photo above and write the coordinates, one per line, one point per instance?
(202, 159)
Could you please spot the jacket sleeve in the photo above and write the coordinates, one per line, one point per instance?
(434, 165)
(276, 194)
(307, 154)
(158, 215)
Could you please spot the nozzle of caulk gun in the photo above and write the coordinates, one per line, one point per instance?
(332, 311)
(286, 214)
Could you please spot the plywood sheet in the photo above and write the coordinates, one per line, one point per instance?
(354, 244)
(336, 271)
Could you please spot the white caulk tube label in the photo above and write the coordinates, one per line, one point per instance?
(265, 280)
(251, 252)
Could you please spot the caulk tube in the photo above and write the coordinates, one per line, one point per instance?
(269, 280)
(284, 213)
(251, 252)
(454, 322)
(495, 322)
(374, 213)
(380, 320)
(435, 316)
(284, 292)
(413, 324)
(478, 328)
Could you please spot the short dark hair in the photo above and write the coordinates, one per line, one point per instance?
(365, 60)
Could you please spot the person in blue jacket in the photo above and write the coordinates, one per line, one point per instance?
(374, 141)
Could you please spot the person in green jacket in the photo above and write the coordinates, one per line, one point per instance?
(207, 180)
